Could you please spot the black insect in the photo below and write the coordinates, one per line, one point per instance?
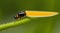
(20, 15)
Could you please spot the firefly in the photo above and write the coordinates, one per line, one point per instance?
(35, 14)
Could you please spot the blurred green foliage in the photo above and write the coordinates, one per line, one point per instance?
(9, 8)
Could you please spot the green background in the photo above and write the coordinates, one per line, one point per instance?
(9, 8)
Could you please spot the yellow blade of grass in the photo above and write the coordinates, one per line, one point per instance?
(14, 23)
(40, 13)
